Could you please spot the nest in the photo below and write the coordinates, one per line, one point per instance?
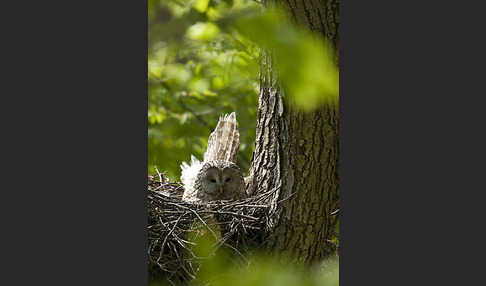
(241, 225)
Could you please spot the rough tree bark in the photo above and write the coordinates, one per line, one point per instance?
(296, 152)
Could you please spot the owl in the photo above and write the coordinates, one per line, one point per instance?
(217, 177)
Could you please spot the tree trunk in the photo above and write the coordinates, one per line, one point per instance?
(296, 153)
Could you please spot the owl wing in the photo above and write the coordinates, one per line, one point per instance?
(188, 178)
(224, 141)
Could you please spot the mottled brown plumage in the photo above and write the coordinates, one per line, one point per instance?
(217, 177)
(224, 141)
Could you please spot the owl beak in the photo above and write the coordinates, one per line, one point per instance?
(221, 189)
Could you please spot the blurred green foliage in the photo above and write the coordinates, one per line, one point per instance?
(221, 269)
(266, 271)
(305, 62)
(197, 71)
(203, 62)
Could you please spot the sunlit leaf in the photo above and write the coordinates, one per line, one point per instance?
(213, 13)
(217, 82)
(199, 85)
(201, 5)
(176, 72)
(203, 31)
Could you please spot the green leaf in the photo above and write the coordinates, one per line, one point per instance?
(201, 5)
(203, 31)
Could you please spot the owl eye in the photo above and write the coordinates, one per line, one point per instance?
(228, 179)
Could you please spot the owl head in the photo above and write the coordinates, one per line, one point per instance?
(219, 180)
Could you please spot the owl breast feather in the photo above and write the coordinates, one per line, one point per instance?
(188, 176)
